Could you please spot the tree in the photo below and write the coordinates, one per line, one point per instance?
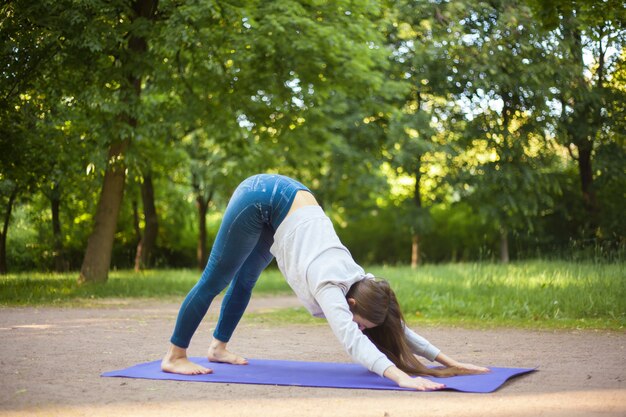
(28, 64)
(130, 58)
(418, 38)
(213, 170)
(479, 77)
(262, 100)
(509, 156)
(148, 239)
(587, 38)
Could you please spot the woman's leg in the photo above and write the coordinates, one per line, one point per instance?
(239, 233)
(258, 202)
(237, 297)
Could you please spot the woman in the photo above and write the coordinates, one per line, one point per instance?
(275, 216)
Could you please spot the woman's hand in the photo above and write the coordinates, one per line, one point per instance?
(448, 361)
(470, 367)
(419, 384)
(405, 381)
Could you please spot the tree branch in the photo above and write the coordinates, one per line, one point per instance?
(571, 152)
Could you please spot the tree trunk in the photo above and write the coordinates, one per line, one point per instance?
(5, 229)
(97, 260)
(415, 251)
(585, 121)
(147, 244)
(138, 237)
(136, 227)
(60, 264)
(504, 245)
(416, 259)
(590, 203)
(201, 253)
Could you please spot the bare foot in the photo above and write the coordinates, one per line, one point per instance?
(218, 353)
(176, 362)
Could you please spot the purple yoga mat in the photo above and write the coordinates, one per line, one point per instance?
(313, 374)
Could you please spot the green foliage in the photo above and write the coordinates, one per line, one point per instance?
(476, 110)
(455, 234)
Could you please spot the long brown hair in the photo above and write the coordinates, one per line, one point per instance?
(376, 302)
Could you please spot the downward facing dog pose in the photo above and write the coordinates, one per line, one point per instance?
(275, 216)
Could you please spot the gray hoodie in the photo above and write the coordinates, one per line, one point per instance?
(320, 270)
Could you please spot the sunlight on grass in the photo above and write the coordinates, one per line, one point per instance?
(527, 294)
(51, 288)
(568, 294)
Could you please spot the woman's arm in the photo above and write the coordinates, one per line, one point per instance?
(423, 347)
(419, 345)
(445, 360)
(336, 311)
(405, 381)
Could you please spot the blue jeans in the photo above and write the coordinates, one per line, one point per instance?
(240, 253)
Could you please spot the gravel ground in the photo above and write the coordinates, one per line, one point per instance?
(52, 358)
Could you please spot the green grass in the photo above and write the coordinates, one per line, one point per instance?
(528, 294)
(51, 288)
(537, 294)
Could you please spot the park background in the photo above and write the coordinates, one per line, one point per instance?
(431, 132)
(470, 152)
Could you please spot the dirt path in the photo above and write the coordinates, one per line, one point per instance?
(51, 359)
